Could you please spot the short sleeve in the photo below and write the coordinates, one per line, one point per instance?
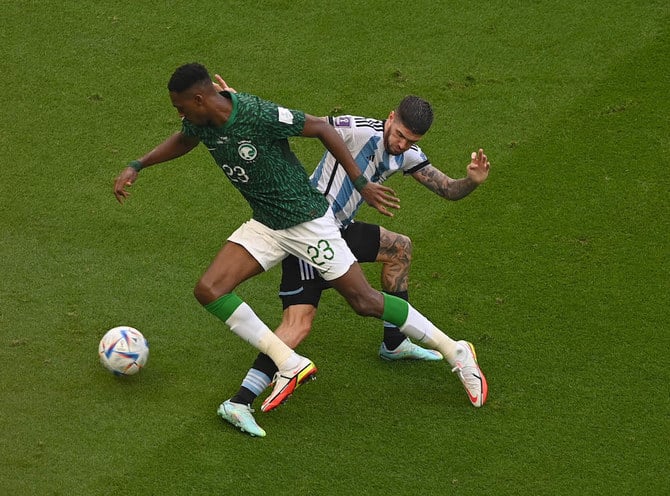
(281, 122)
(415, 160)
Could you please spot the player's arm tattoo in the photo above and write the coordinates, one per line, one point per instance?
(438, 182)
(395, 252)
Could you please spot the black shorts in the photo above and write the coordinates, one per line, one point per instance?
(300, 282)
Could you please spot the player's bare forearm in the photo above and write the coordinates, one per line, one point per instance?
(441, 184)
(173, 147)
(455, 189)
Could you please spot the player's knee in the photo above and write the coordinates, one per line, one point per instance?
(206, 292)
(396, 249)
(212, 285)
(405, 249)
(399, 259)
(202, 293)
(367, 305)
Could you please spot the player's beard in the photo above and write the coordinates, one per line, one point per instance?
(387, 146)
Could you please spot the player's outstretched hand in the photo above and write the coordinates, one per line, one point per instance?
(126, 178)
(380, 197)
(478, 168)
(221, 85)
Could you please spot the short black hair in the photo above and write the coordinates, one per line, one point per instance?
(416, 114)
(188, 75)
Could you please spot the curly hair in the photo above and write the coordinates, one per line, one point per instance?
(188, 75)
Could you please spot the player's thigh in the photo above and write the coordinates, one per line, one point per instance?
(320, 244)
(261, 242)
(363, 239)
(232, 265)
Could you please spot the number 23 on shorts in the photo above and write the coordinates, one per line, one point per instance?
(322, 251)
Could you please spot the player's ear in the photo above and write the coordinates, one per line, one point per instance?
(391, 115)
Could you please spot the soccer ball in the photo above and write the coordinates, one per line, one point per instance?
(123, 350)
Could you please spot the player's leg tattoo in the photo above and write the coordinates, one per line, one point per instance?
(395, 253)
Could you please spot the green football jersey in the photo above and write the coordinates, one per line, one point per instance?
(252, 149)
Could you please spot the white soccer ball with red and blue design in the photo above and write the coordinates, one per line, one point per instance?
(123, 350)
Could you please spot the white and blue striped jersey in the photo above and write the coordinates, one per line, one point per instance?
(365, 140)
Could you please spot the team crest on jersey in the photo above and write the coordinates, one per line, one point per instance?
(342, 121)
(247, 151)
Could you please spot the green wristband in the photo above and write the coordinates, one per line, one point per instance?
(360, 182)
(136, 164)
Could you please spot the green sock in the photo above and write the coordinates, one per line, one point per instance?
(224, 306)
(395, 310)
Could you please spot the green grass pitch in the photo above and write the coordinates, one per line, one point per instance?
(557, 268)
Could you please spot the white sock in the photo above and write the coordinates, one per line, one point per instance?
(423, 330)
(246, 324)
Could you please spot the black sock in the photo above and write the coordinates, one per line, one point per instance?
(264, 364)
(244, 396)
(392, 335)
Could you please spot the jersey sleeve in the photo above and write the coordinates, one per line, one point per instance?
(415, 160)
(344, 126)
(281, 122)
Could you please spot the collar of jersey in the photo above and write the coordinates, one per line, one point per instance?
(233, 113)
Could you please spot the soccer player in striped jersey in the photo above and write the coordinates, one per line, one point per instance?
(380, 148)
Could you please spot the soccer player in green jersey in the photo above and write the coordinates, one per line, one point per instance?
(381, 149)
(247, 137)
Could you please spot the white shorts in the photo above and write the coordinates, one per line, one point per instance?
(317, 242)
